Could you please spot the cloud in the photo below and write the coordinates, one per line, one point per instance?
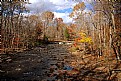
(49, 5)
(58, 2)
(65, 16)
(88, 1)
(63, 4)
(39, 6)
(61, 8)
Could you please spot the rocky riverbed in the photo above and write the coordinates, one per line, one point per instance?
(53, 62)
(34, 64)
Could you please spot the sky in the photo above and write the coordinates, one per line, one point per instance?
(60, 8)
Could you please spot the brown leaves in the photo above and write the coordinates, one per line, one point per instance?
(59, 20)
(48, 15)
(79, 6)
(33, 17)
(71, 15)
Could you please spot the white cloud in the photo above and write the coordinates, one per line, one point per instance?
(51, 5)
(63, 4)
(65, 16)
(39, 6)
(58, 2)
(88, 1)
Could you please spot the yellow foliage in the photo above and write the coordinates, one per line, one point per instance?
(88, 40)
(84, 38)
(82, 34)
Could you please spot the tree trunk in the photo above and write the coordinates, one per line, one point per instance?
(1, 23)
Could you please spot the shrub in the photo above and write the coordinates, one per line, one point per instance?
(66, 34)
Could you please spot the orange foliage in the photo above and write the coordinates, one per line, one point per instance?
(16, 40)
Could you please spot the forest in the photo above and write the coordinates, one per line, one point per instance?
(92, 39)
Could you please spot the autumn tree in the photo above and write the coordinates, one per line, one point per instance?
(59, 24)
(111, 10)
(10, 10)
(47, 18)
(72, 31)
(78, 15)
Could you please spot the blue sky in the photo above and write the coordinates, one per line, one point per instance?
(68, 10)
(60, 8)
